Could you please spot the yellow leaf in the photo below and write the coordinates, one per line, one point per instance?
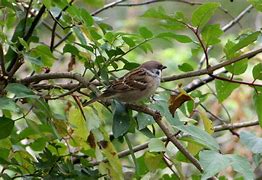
(194, 148)
(208, 124)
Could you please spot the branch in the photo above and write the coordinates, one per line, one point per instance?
(227, 27)
(28, 35)
(211, 69)
(40, 77)
(107, 6)
(235, 125)
(2, 60)
(166, 128)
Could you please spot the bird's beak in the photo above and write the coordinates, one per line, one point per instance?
(163, 67)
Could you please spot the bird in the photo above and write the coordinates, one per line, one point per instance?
(139, 83)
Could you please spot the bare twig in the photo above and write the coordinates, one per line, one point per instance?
(107, 6)
(235, 125)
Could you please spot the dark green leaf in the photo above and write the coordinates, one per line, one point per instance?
(8, 104)
(47, 3)
(121, 120)
(6, 127)
(211, 34)
(39, 144)
(224, 89)
(258, 105)
(141, 166)
(143, 120)
(145, 33)
(257, 71)
(252, 142)
(20, 91)
(185, 67)
(156, 145)
(203, 13)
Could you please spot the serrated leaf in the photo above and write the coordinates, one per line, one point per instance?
(224, 89)
(257, 71)
(6, 126)
(211, 34)
(121, 120)
(145, 32)
(258, 106)
(8, 104)
(252, 142)
(200, 136)
(20, 91)
(156, 145)
(203, 13)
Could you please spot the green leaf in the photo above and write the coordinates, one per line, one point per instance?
(238, 68)
(158, 13)
(200, 136)
(154, 161)
(185, 67)
(258, 105)
(257, 4)
(156, 145)
(224, 89)
(241, 165)
(71, 49)
(44, 53)
(244, 40)
(145, 33)
(129, 41)
(47, 3)
(203, 13)
(178, 37)
(212, 162)
(257, 71)
(86, 17)
(211, 34)
(6, 127)
(20, 91)
(143, 120)
(121, 120)
(8, 104)
(251, 141)
(24, 43)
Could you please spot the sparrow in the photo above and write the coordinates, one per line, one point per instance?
(138, 84)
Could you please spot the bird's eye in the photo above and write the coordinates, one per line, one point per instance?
(157, 72)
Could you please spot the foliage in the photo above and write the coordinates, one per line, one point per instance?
(46, 133)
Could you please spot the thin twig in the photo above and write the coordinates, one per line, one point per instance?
(2, 60)
(107, 6)
(212, 68)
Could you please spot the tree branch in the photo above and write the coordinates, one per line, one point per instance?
(107, 6)
(2, 60)
(211, 69)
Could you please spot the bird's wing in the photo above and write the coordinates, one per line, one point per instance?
(134, 80)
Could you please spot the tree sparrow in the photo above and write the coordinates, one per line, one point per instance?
(139, 83)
